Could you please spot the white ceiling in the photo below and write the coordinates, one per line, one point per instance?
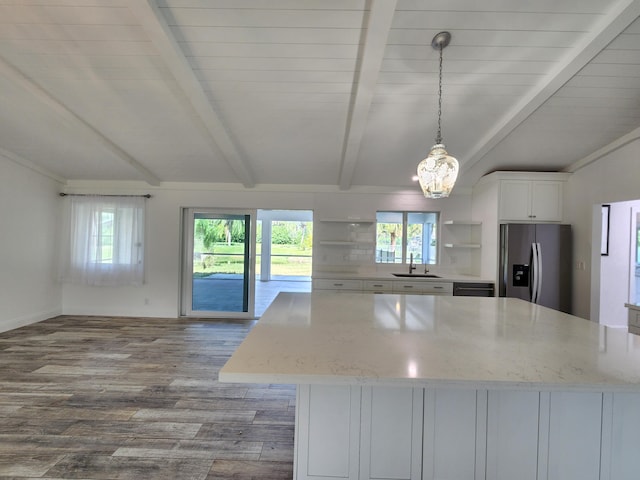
(327, 92)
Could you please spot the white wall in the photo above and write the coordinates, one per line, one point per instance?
(614, 268)
(613, 178)
(29, 210)
(159, 296)
(29, 215)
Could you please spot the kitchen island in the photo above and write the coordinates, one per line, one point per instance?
(437, 387)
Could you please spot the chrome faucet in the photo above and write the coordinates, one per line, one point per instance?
(412, 267)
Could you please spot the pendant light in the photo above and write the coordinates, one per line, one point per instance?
(438, 172)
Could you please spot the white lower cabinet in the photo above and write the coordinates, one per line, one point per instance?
(450, 432)
(377, 286)
(402, 433)
(410, 287)
(575, 432)
(391, 433)
(337, 285)
(327, 432)
(621, 460)
(512, 435)
(422, 288)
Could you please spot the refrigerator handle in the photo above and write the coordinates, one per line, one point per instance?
(534, 273)
(531, 270)
(539, 270)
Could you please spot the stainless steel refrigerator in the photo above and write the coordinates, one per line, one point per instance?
(535, 264)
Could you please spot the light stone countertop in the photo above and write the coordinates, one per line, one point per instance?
(440, 341)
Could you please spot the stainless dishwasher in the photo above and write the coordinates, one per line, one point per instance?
(474, 289)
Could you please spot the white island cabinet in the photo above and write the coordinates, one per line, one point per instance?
(448, 388)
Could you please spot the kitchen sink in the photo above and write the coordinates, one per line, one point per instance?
(418, 275)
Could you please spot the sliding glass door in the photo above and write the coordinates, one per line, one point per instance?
(218, 273)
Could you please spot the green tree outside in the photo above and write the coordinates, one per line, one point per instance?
(219, 247)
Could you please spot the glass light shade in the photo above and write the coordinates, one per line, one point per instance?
(437, 173)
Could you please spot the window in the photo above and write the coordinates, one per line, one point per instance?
(105, 244)
(399, 235)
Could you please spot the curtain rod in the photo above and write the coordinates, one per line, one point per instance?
(98, 195)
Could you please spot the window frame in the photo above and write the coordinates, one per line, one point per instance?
(404, 236)
(87, 235)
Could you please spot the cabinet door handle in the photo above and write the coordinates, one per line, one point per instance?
(438, 287)
(407, 286)
(338, 284)
(379, 286)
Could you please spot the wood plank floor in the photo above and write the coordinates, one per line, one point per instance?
(137, 398)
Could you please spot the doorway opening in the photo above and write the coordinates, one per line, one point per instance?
(284, 254)
(218, 272)
(618, 274)
(634, 276)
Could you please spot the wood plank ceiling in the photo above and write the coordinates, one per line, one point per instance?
(326, 92)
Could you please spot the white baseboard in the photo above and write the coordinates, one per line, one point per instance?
(13, 323)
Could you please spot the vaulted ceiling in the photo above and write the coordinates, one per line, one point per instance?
(327, 92)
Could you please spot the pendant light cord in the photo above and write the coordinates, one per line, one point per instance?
(439, 136)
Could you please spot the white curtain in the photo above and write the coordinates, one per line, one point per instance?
(105, 241)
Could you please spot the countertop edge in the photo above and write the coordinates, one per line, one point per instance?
(288, 379)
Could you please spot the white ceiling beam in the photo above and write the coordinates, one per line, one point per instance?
(612, 25)
(216, 133)
(14, 157)
(22, 81)
(606, 150)
(367, 71)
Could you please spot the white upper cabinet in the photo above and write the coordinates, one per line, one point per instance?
(524, 196)
(531, 200)
(546, 200)
(514, 202)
